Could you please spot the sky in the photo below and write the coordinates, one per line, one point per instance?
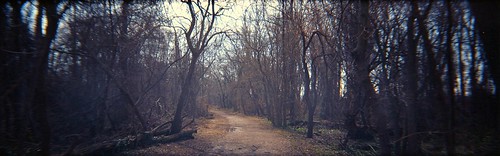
(231, 18)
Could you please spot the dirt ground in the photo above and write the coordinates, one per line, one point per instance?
(229, 133)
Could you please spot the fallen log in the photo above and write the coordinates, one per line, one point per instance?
(160, 129)
(175, 137)
(130, 142)
(156, 131)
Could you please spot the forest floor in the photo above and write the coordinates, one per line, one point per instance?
(230, 133)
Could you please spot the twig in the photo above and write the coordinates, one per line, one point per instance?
(192, 121)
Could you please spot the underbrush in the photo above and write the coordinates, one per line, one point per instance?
(479, 142)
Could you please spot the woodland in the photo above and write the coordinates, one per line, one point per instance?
(389, 77)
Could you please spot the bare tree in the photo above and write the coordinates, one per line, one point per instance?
(197, 43)
(360, 85)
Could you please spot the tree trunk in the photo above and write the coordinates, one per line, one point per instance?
(40, 99)
(307, 83)
(196, 49)
(185, 90)
(450, 145)
(130, 142)
(436, 83)
(413, 147)
(361, 86)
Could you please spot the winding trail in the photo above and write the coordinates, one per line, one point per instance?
(230, 133)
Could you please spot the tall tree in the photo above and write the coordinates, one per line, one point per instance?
(40, 91)
(361, 85)
(412, 83)
(197, 43)
(308, 98)
(451, 74)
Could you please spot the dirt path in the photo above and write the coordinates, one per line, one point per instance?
(229, 133)
(247, 135)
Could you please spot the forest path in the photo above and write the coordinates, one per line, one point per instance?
(231, 133)
(245, 135)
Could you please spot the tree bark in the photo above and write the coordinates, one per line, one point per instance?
(361, 86)
(307, 84)
(413, 147)
(185, 90)
(40, 98)
(451, 74)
